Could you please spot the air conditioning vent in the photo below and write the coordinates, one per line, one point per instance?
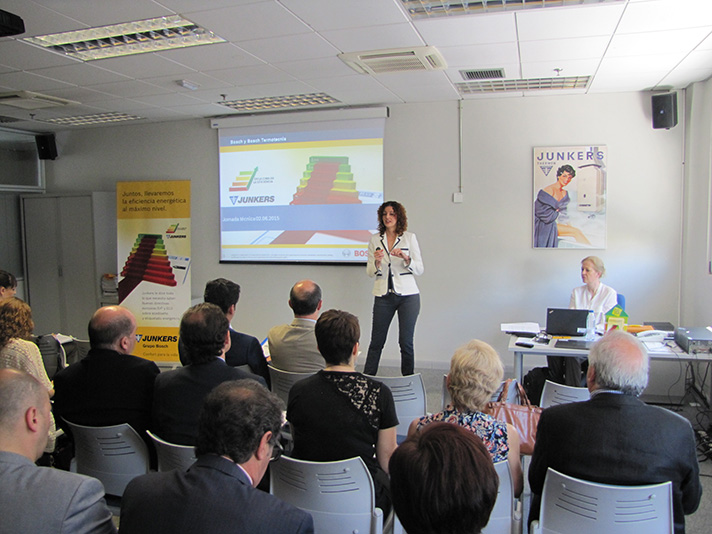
(30, 100)
(395, 60)
(482, 74)
(7, 120)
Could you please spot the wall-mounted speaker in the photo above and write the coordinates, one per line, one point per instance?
(664, 110)
(46, 147)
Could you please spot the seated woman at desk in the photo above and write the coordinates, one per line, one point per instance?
(476, 372)
(593, 295)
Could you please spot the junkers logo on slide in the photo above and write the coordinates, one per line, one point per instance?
(138, 338)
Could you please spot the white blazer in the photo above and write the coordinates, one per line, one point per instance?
(403, 277)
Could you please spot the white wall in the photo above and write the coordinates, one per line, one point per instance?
(697, 282)
(480, 269)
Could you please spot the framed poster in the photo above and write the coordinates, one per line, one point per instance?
(570, 197)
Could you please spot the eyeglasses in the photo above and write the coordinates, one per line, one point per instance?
(277, 451)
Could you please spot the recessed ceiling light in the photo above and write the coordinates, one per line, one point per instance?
(446, 8)
(99, 118)
(138, 37)
(280, 102)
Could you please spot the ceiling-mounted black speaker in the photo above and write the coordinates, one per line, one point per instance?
(46, 147)
(10, 24)
(664, 110)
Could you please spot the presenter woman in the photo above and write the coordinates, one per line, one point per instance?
(593, 295)
(393, 260)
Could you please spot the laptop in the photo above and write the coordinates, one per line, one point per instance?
(566, 322)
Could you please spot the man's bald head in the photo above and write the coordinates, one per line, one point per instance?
(24, 414)
(305, 298)
(618, 361)
(113, 327)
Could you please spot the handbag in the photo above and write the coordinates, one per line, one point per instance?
(524, 417)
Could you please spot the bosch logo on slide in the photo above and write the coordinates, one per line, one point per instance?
(361, 253)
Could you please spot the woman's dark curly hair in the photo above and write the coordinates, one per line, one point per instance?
(401, 223)
(15, 320)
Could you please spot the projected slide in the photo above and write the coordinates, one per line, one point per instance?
(300, 193)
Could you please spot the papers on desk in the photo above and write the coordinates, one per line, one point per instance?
(655, 346)
(520, 328)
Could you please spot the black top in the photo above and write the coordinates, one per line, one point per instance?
(335, 416)
(106, 388)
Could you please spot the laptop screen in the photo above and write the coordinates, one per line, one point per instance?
(566, 322)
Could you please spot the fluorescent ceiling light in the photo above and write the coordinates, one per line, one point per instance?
(528, 84)
(428, 9)
(280, 102)
(151, 35)
(99, 118)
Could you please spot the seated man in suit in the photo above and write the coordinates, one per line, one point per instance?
(238, 435)
(245, 350)
(40, 499)
(109, 386)
(615, 438)
(292, 347)
(179, 394)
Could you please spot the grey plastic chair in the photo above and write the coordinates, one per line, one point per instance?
(554, 394)
(171, 455)
(339, 495)
(572, 505)
(506, 516)
(282, 381)
(409, 396)
(113, 454)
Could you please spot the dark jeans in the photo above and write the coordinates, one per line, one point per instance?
(408, 307)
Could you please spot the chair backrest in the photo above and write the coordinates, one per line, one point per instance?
(554, 394)
(501, 518)
(113, 454)
(339, 495)
(511, 393)
(172, 455)
(409, 396)
(52, 354)
(282, 381)
(572, 505)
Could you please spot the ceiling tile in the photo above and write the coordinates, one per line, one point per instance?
(468, 30)
(480, 56)
(660, 15)
(250, 21)
(555, 49)
(324, 15)
(77, 74)
(374, 37)
(569, 67)
(142, 66)
(290, 48)
(259, 74)
(660, 42)
(538, 24)
(211, 57)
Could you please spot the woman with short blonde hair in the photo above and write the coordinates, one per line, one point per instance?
(476, 372)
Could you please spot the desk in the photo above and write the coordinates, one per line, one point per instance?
(670, 351)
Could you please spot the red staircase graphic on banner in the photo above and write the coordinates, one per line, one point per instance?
(147, 261)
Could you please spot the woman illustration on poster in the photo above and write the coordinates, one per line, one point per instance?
(550, 212)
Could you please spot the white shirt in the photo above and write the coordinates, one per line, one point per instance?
(604, 299)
